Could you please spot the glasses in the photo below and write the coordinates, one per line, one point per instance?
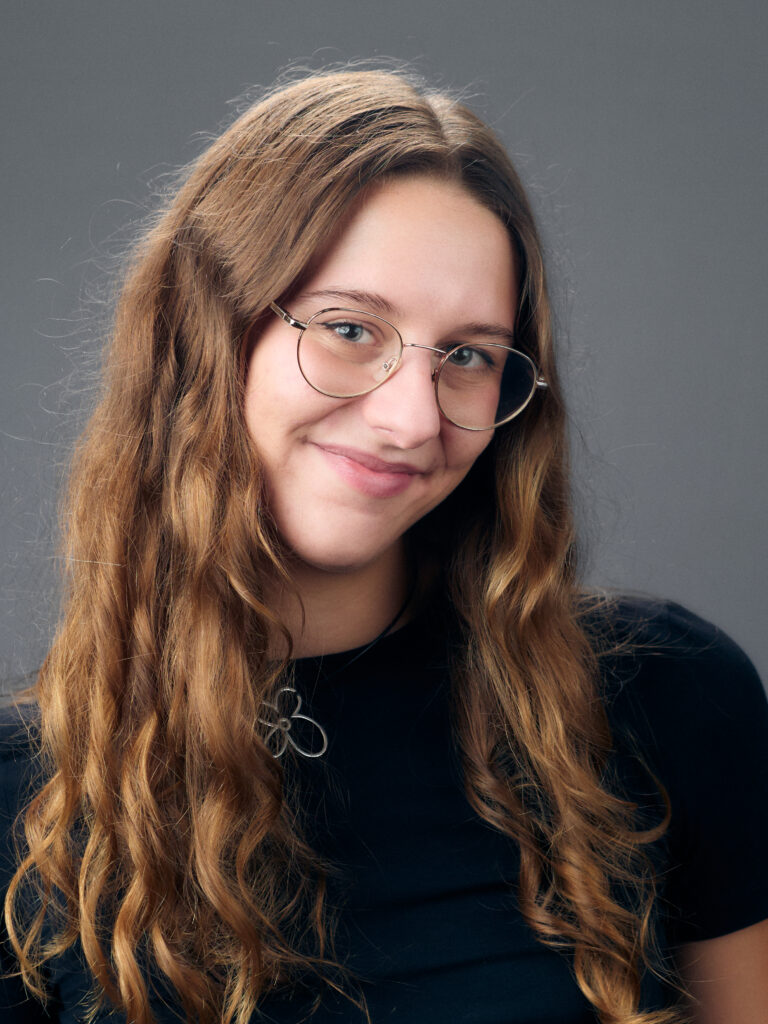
(346, 353)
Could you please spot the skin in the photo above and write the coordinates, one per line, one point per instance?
(441, 261)
(728, 976)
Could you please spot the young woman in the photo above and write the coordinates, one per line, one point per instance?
(330, 722)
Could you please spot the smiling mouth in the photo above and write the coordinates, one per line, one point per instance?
(371, 462)
(368, 475)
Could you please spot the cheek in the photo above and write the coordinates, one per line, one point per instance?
(275, 392)
(463, 447)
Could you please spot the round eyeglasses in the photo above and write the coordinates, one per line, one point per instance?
(346, 353)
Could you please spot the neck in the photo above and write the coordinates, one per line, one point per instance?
(341, 610)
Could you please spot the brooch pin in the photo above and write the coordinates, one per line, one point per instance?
(284, 726)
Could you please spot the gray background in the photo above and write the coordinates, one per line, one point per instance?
(639, 128)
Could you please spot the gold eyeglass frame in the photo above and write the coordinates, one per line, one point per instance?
(391, 367)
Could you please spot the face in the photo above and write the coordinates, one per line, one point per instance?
(346, 478)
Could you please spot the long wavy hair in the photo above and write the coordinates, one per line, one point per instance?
(162, 835)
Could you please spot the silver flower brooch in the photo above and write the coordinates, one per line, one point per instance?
(284, 726)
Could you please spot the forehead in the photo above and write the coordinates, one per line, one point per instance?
(423, 242)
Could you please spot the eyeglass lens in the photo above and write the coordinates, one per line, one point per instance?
(346, 353)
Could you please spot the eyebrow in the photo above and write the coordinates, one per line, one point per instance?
(376, 303)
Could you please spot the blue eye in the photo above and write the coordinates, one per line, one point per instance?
(347, 330)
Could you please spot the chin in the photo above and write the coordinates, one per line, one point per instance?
(333, 555)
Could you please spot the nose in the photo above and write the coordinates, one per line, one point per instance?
(405, 406)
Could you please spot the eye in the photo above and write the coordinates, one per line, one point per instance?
(471, 357)
(350, 330)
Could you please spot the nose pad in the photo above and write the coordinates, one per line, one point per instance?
(385, 369)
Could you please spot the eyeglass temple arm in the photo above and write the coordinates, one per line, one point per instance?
(285, 315)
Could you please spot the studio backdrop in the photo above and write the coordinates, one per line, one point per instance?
(640, 132)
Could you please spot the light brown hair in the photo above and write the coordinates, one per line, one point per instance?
(162, 835)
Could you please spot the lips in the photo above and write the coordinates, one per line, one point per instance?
(371, 462)
(367, 474)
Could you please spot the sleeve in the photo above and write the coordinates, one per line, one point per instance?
(16, 1004)
(699, 710)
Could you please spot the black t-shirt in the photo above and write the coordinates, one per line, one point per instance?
(425, 889)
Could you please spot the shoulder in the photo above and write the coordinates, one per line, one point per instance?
(680, 687)
(19, 727)
(655, 634)
(653, 650)
(680, 693)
